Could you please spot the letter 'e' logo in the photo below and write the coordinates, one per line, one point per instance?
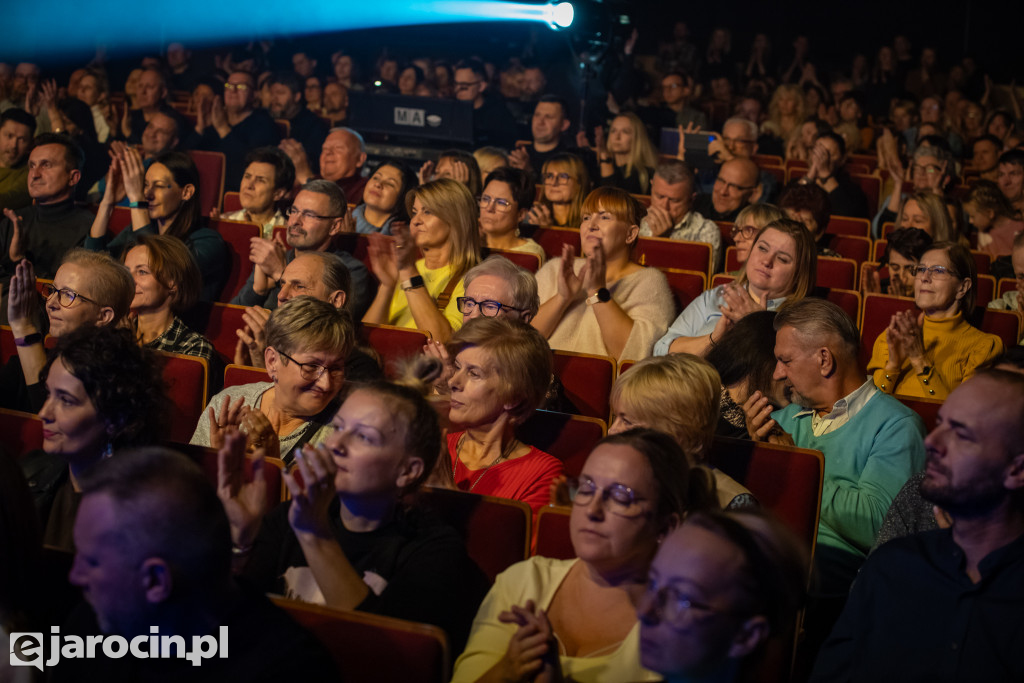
(27, 649)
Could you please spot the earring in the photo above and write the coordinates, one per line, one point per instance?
(108, 451)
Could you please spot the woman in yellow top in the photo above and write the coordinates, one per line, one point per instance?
(422, 293)
(929, 355)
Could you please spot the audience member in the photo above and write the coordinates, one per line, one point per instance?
(341, 161)
(1013, 300)
(565, 184)
(827, 161)
(306, 131)
(604, 302)
(627, 158)
(550, 121)
(456, 164)
(809, 205)
(903, 251)
(268, 180)
(676, 90)
(1011, 177)
(749, 222)
(995, 219)
(985, 157)
(384, 198)
(506, 200)
(16, 129)
(671, 214)
(738, 184)
(492, 122)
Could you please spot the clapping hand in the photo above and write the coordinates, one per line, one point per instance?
(245, 502)
(312, 496)
(532, 647)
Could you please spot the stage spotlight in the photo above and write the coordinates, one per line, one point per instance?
(561, 15)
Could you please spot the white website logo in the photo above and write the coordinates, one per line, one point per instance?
(27, 648)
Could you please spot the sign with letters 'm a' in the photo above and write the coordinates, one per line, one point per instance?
(406, 116)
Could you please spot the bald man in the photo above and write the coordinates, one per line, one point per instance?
(738, 184)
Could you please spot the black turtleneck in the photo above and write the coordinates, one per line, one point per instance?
(50, 230)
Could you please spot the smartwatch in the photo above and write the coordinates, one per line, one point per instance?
(138, 205)
(412, 283)
(29, 339)
(599, 297)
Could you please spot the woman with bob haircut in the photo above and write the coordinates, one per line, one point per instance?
(308, 341)
(928, 354)
(782, 266)
(604, 303)
(679, 395)
(566, 184)
(576, 619)
(167, 284)
(502, 369)
(508, 196)
(927, 211)
(164, 200)
(422, 293)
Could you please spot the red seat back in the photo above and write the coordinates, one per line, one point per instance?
(237, 236)
(878, 311)
(587, 380)
(926, 408)
(856, 248)
(530, 262)
(553, 536)
(206, 458)
(686, 285)
(552, 239)
(22, 432)
(846, 299)
(186, 379)
(394, 344)
(235, 375)
(837, 272)
(679, 254)
(1007, 284)
(1004, 324)
(219, 323)
(845, 225)
(211, 179)
(570, 438)
(232, 202)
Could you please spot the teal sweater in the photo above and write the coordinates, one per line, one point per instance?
(867, 461)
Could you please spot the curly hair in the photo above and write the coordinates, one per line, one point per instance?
(122, 379)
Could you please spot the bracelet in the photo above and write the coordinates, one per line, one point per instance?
(711, 338)
(414, 282)
(29, 339)
(138, 205)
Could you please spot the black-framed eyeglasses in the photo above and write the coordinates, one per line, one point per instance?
(311, 372)
(65, 296)
(619, 498)
(556, 178)
(488, 308)
(934, 272)
(668, 604)
(307, 214)
(745, 231)
(242, 87)
(500, 205)
(733, 186)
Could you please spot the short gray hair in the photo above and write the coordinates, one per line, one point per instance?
(353, 133)
(338, 203)
(820, 320)
(927, 150)
(674, 171)
(521, 281)
(746, 123)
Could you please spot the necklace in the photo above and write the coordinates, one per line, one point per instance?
(505, 453)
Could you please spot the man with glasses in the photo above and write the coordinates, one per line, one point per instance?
(314, 219)
(492, 121)
(676, 89)
(738, 184)
(671, 213)
(233, 126)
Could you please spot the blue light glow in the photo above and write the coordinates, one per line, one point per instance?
(65, 27)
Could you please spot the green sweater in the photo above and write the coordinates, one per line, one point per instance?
(867, 461)
(14, 187)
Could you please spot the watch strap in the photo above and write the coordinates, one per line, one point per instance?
(414, 282)
(29, 339)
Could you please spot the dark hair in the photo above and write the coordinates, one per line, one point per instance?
(519, 182)
(74, 157)
(1013, 355)
(19, 116)
(910, 243)
(681, 487)
(809, 197)
(674, 171)
(834, 137)
(1012, 156)
(987, 137)
(337, 203)
(556, 99)
(284, 169)
(122, 379)
(747, 351)
(965, 268)
(167, 508)
(184, 172)
(475, 184)
(409, 181)
(474, 65)
(80, 114)
(288, 79)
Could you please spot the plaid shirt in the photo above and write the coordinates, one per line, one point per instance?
(180, 339)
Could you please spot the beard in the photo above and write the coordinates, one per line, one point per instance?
(977, 496)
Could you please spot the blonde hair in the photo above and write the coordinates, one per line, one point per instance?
(678, 394)
(575, 167)
(759, 214)
(452, 202)
(641, 153)
(774, 123)
(935, 208)
(108, 283)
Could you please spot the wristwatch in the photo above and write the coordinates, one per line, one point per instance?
(29, 340)
(413, 282)
(138, 205)
(599, 297)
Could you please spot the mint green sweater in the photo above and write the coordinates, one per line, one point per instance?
(867, 461)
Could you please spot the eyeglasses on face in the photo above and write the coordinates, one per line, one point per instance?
(745, 231)
(306, 214)
(556, 178)
(487, 307)
(618, 498)
(240, 87)
(500, 205)
(934, 272)
(65, 297)
(311, 372)
(731, 187)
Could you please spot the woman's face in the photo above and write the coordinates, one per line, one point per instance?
(787, 104)
(560, 185)
(931, 110)
(915, 217)
(314, 93)
(343, 68)
(335, 98)
(428, 231)
(849, 110)
(935, 292)
(901, 268)
(885, 58)
(200, 95)
(382, 190)
(165, 196)
(620, 136)
(605, 228)
(771, 266)
(88, 90)
(692, 611)
(624, 418)
(476, 389)
(974, 120)
(407, 81)
(64, 320)
(368, 445)
(607, 534)
(808, 131)
(388, 70)
(494, 221)
(299, 392)
(743, 239)
(997, 126)
(150, 294)
(812, 99)
(902, 118)
(132, 83)
(71, 426)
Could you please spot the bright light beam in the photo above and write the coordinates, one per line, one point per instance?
(47, 30)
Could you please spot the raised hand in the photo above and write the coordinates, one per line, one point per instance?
(405, 246)
(133, 172)
(22, 300)
(739, 303)
(245, 502)
(16, 249)
(252, 338)
(230, 417)
(569, 283)
(531, 647)
(268, 255)
(426, 172)
(658, 221)
(540, 215)
(519, 158)
(311, 497)
(383, 259)
(259, 432)
(593, 273)
(295, 151)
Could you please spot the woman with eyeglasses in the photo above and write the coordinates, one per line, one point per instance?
(507, 198)
(308, 341)
(781, 267)
(384, 198)
(749, 221)
(576, 619)
(164, 200)
(422, 293)
(88, 290)
(721, 585)
(566, 183)
(604, 303)
(501, 372)
(931, 352)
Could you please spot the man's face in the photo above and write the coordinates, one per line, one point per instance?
(534, 82)
(986, 156)
(490, 288)
(257, 193)
(15, 139)
(750, 109)
(25, 74)
(239, 92)
(283, 102)
(970, 449)
(739, 140)
(304, 276)
(548, 122)
(798, 367)
(468, 86)
(674, 90)
(674, 198)
(150, 90)
(107, 570)
(721, 89)
(49, 179)
(311, 226)
(160, 135)
(733, 187)
(340, 157)
(1011, 181)
(177, 55)
(304, 66)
